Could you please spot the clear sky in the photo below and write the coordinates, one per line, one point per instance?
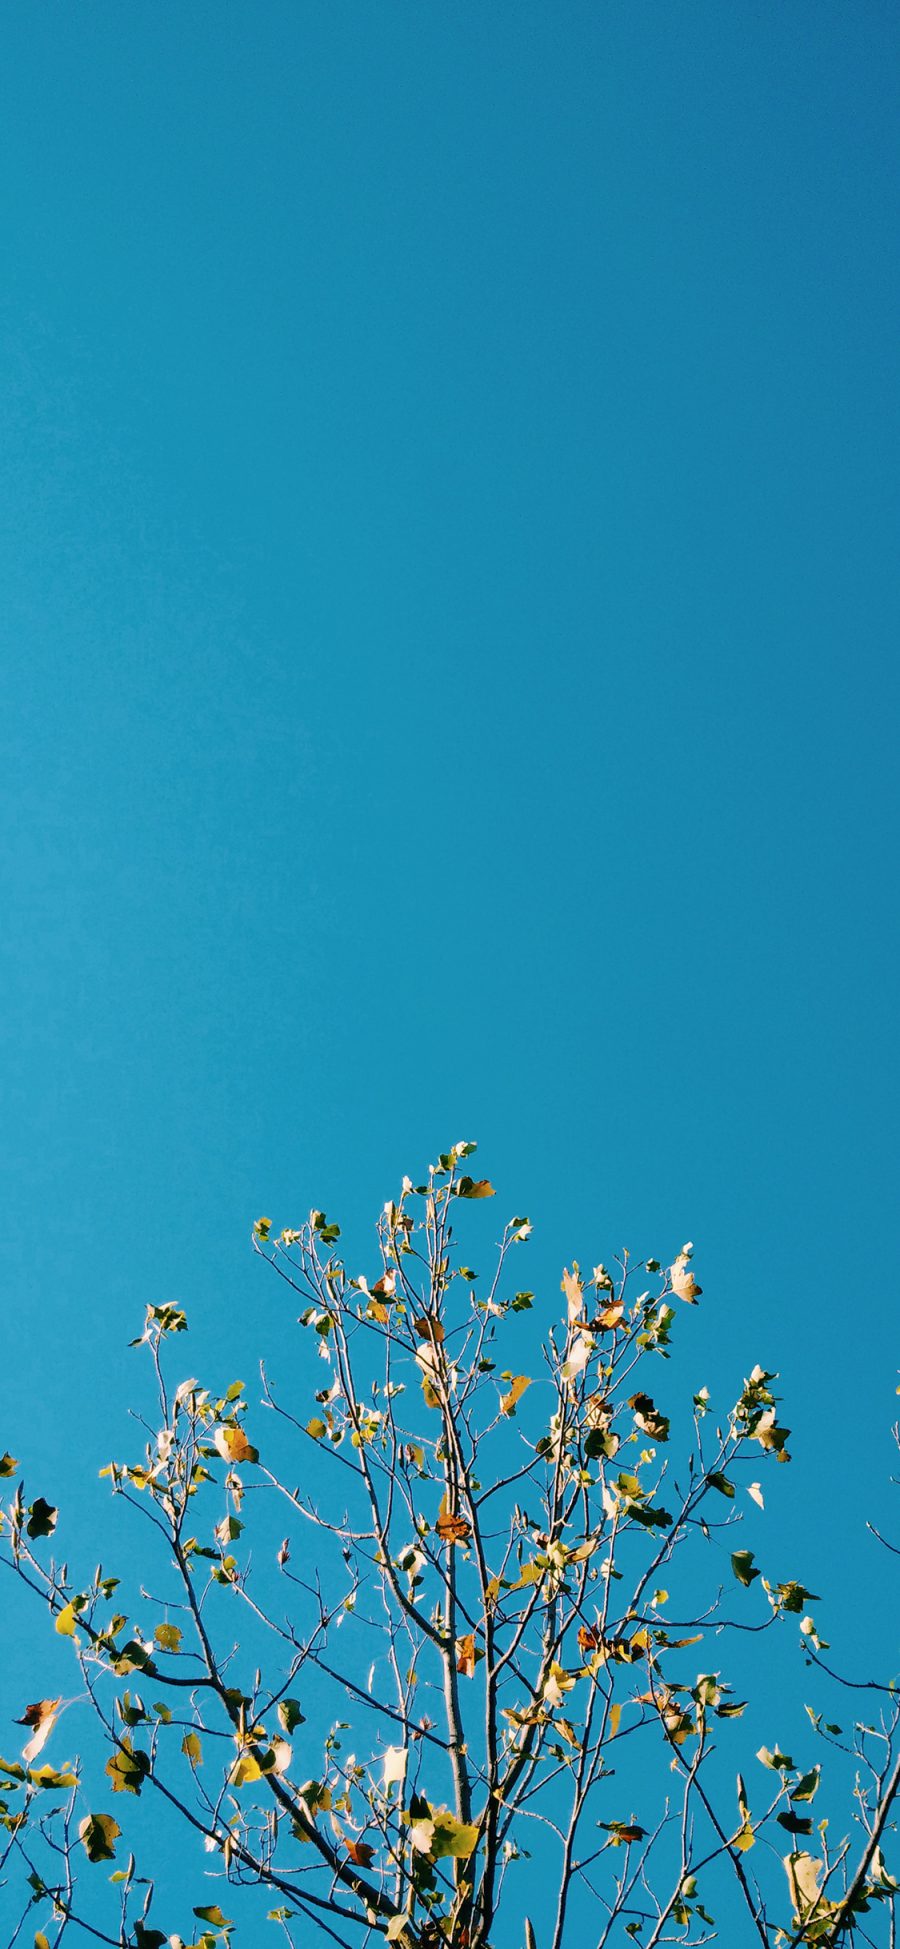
(449, 474)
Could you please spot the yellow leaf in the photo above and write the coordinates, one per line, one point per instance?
(246, 1769)
(168, 1636)
(508, 1402)
(557, 1682)
(233, 1445)
(65, 1623)
(192, 1748)
(451, 1836)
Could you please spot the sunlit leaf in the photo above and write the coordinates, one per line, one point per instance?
(233, 1445)
(168, 1636)
(41, 1716)
(98, 1835)
(509, 1402)
(681, 1277)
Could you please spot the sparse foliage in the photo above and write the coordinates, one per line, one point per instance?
(472, 1678)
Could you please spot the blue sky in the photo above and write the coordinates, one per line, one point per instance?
(449, 485)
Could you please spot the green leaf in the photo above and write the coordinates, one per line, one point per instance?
(127, 1769)
(795, 1823)
(289, 1715)
(41, 1518)
(718, 1481)
(98, 1835)
(168, 1636)
(742, 1565)
(777, 1762)
(213, 1915)
(452, 1836)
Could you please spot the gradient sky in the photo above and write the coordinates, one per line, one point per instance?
(449, 477)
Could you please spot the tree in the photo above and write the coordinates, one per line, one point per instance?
(508, 1596)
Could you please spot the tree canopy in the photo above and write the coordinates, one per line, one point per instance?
(437, 1637)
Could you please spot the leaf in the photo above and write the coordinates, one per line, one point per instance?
(168, 1636)
(192, 1748)
(719, 1481)
(98, 1835)
(623, 1833)
(8, 1464)
(233, 1445)
(754, 1490)
(475, 1188)
(262, 1228)
(683, 1283)
(52, 1779)
(556, 1684)
(776, 1762)
(793, 1596)
(648, 1417)
(360, 1853)
(611, 1316)
(213, 1915)
(127, 1769)
(579, 1355)
(573, 1289)
(421, 1835)
(509, 1402)
(804, 1875)
(385, 1287)
(429, 1329)
(795, 1823)
(40, 1940)
(394, 1765)
(246, 1770)
(452, 1837)
(41, 1519)
(316, 1428)
(450, 1527)
(42, 1717)
(467, 1655)
(742, 1565)
(289, 1715)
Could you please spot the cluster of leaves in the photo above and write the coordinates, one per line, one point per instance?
(536, 1575)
